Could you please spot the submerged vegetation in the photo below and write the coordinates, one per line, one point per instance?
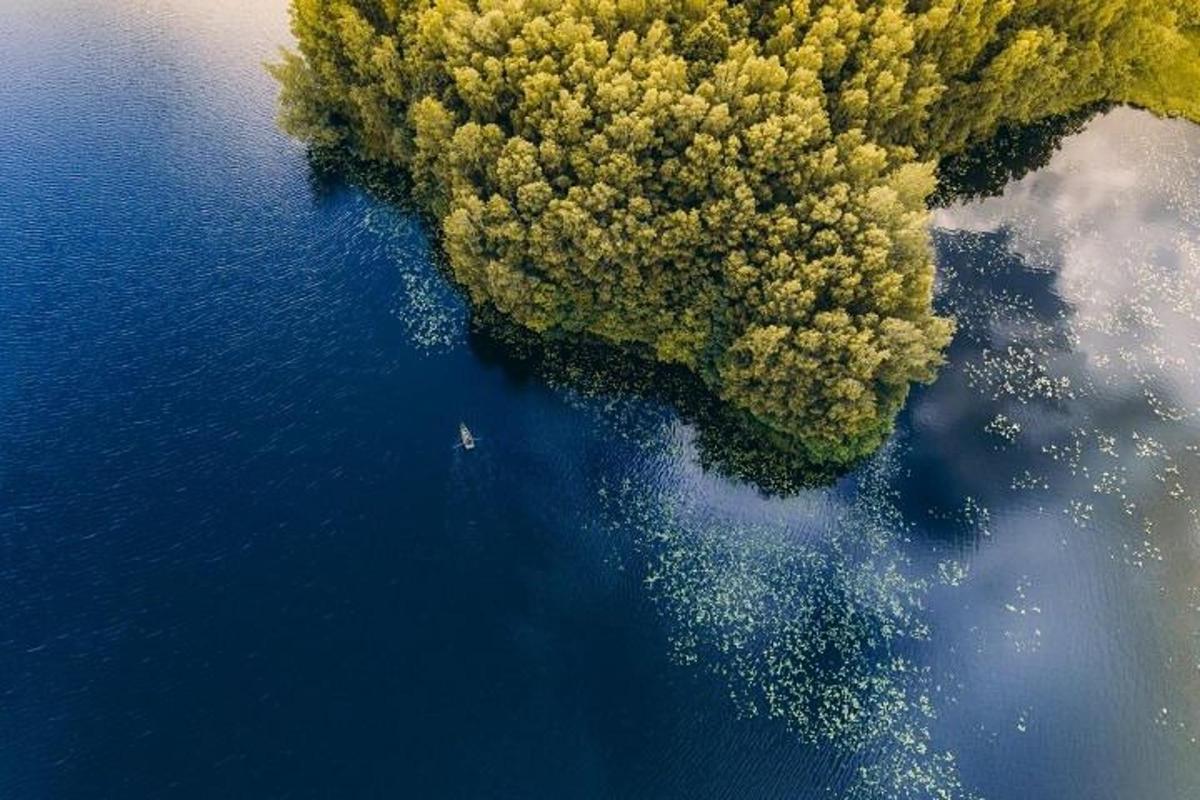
(815, 627)
(739, 188)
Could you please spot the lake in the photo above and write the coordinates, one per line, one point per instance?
(241, 556)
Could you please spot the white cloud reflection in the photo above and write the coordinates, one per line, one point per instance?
(1116, 216)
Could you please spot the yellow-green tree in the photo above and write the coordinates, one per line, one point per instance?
(738, 187)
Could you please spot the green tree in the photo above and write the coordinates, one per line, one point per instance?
(736, 187)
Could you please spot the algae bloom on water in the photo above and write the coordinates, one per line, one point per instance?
(737, 187)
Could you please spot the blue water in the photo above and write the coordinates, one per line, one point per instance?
(240, 555)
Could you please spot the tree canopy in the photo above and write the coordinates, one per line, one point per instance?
(737, 187)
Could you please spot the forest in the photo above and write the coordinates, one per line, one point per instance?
(739, 188)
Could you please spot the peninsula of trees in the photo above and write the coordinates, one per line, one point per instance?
(737, 187)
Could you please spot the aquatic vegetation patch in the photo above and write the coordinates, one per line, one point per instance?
(433, 315)
(817, 628)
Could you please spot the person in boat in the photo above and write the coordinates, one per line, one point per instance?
(464, 433)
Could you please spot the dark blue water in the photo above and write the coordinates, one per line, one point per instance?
(241, 557)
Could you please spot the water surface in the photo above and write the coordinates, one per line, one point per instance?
(241, 557)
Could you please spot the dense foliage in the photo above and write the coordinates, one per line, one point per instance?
(737, 187)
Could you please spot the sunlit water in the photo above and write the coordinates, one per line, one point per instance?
(240, 555)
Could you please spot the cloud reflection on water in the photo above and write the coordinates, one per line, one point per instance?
(1078, 293)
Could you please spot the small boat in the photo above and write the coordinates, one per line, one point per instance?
(464, 433)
